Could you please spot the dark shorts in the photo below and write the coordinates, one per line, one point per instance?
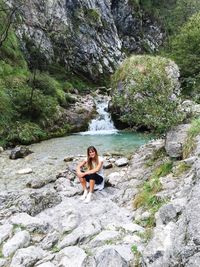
(98, 179)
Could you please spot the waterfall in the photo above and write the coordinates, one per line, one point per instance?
(103, 123)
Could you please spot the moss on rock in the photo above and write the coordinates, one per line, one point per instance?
(145, 92)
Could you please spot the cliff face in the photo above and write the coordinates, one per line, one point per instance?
(87, 37)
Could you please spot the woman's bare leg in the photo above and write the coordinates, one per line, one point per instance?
(83, 182)
(92, 183)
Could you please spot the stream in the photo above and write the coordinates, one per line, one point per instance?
(47, 159)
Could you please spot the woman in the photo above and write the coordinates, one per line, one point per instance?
(93, 175)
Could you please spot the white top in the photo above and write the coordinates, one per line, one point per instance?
(100, 172)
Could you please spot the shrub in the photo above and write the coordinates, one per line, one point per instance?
(25, 133)
(46, 84)
(40, 107)
(145, 93)
(190, 143)
(6, 110)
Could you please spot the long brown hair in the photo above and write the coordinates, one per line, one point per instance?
(89, 160)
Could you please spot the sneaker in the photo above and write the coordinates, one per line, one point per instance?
(88, 198)
(84, 195)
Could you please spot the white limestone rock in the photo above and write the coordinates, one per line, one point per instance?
(104, 237)
(5, 232)
(121, 162)
(26, 257)
(71, 256)
(46, 264)
(19, 240)
(24, 171)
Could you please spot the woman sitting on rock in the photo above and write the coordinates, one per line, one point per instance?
(93, 175)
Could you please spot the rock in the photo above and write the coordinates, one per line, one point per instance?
(65, 186)
(104, 237)
(50, 240)
(19, 240)
(133, 227)
(82, 233)
(175, 140)
(40, 182)
(3, 263)
(67, 159)
(46, 264)
(114, 178)
(20, 152)
(71, 256)
(5, 232)
(107, 165)
(31, 223)
(190, 108)
(24, 171)
(193, 261)
(89, 262)
(142, 215)
(121, 162)
(27, 256)
(110, 258)
(35, 202)
(167, 213)
(160, 248)
(1, 149)
(190, 161)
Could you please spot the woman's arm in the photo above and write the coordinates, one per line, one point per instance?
(96, 169)
(78, 169)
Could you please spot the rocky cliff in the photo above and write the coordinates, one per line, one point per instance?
(89, 38)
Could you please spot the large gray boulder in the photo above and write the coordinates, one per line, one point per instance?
(20, 152)
(175, 140)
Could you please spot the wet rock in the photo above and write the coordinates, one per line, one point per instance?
(67, 159)
(19, 240)
(20, 152)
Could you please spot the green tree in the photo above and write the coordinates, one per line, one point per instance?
(185, 50)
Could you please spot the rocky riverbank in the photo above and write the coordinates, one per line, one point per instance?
(43, 222)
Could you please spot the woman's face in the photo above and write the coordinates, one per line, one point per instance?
(92, 154)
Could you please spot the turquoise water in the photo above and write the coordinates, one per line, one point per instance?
(122, 142)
